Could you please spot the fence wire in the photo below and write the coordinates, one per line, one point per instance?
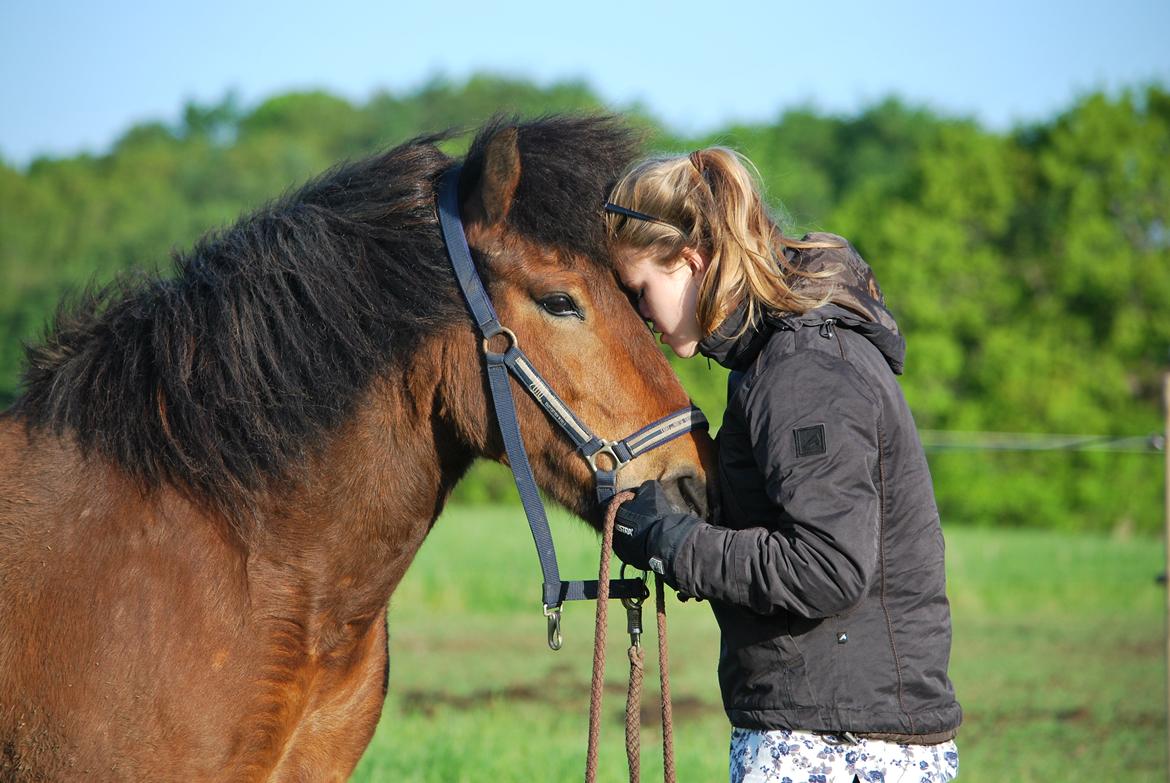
(951, 440)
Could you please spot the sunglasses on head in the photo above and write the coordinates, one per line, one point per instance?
(633, 213)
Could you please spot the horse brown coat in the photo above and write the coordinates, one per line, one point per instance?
(151, 629)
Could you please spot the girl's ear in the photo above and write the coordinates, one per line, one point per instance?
(694, 259)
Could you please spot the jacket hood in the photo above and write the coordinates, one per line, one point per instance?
(855, 302)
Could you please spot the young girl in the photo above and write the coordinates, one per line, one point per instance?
(825, 566)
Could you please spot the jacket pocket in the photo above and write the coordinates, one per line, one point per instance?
(760, 664)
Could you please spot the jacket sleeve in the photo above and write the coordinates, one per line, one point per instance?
(813, 422)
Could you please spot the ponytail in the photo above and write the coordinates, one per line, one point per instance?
(709, 201)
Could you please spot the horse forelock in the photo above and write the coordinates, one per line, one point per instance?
(567, 166)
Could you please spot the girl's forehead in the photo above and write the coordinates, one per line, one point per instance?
(635, 262)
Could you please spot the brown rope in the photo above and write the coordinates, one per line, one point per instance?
(637, 668)
(664, 681)
(599, 636)
(634, 711)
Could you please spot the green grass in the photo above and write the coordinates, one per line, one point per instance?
(1057, 659)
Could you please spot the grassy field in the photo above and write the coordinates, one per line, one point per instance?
(1057, 661)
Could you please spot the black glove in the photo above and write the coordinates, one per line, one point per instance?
(649, 530)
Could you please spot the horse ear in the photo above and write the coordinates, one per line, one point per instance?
(501, 174)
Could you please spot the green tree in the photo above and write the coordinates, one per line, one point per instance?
(1030, 270)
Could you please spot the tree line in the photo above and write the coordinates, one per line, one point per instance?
(1029, 269)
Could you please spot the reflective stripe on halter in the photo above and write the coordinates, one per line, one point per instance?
(621, 452)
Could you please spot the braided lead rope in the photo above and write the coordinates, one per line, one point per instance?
(664, 681)
(637, 667)
(597, 683)
(634, 711)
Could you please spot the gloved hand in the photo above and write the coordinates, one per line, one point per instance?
(649, 530)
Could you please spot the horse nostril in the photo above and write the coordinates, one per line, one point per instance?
(687, 492)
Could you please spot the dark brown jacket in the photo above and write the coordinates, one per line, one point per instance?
(826, 570)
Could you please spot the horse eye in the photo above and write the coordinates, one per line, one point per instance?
(561, 305)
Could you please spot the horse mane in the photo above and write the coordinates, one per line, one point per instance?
(221, 378)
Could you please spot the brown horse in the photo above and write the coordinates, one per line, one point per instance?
(212, 483)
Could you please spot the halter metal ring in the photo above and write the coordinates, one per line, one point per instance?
(512, 341)
(607, 450)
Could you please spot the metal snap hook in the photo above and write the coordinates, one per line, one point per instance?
(633, 607)
(633, 620)
(555, 639)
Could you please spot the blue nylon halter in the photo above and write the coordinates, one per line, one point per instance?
(512, 359)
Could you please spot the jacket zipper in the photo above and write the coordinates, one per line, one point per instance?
(826, 331)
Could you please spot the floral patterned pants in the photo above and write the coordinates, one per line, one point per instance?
(784, 756)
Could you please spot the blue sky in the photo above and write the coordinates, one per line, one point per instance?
(74, 76)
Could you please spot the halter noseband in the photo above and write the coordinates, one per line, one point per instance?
(512, 359)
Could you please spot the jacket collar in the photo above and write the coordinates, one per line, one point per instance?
(855, 303)
(736, 348)
(731, 344)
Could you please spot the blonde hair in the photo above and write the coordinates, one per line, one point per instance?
(710, 202)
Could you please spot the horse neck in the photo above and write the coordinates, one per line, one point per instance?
(371, 494)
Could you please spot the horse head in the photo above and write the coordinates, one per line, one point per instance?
(531, 197)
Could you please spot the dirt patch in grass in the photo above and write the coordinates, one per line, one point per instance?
(1074, 716)
(560, 696)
